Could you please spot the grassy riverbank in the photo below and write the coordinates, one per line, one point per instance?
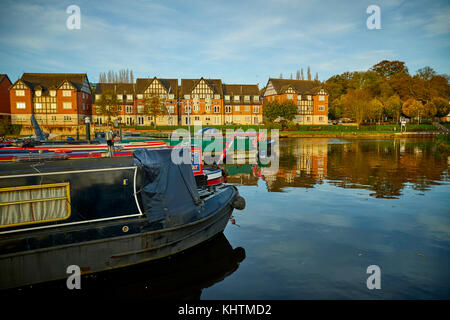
(312, 130)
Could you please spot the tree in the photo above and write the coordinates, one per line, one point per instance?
(297, 76)
(387, 69)
(154, 107)
(301, 74)
(282, 112)
(375, 110)
(429, 110)
(442, 107)
(356, 105)
(426, 73)
(316, 78)
(108, 105)
(309, 73)
(413, 108)
(393, 107)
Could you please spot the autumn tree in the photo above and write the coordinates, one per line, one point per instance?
(387, 69)
(108, 105)
(393, 107)
(356, 105)
(429, 110)
(442, 107)
(413, 108)
(154, 107)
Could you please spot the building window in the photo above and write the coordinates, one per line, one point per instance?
(227, 98)
(53, 118)
(67, 105)
(119, 97)
(171, 109)
(140, 108)
(227, 109)
(20, 93)
(53, 93)
(139, 96)
(308, 119)
(321, 107)
(53, 106)
(196, 118)
(129, 109)
(256, 98)
(196, 108)
(237, 118)
(38, 93)
(321, 119)
(309, 98)
(67, 93)
(130, 97)
(187, 109)
(208, 108)
(246, 98)
(217, 96)
(38, 105)
(237, 98)
(247, 108)
(299, 97)
(321, 98)
(236, 108)
(290, 96)
(187, 96)
(255, 109)
(141, 121)
(20, 105)
(67, 118)
(216, 109)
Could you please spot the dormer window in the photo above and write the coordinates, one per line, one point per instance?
(38, 93)
(237, 98)
(256, 98)
(119, 97)
(53, 93)
(246, 98)
(227, 98)
(129, 97)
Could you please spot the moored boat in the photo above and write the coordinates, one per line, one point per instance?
(103, 213)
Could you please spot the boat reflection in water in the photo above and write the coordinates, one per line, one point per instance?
(181, 276)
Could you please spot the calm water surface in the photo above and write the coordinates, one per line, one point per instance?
(334, 208)
(311, 229)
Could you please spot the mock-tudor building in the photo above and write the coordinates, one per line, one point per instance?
(201, 100)
(54, 98)
(5, 106)
(242, 104)
(309, 96)
(126, 97)
(166, 90)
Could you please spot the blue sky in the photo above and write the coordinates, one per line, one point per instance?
(237, 41)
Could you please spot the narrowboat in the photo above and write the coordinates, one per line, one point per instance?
(103, 213)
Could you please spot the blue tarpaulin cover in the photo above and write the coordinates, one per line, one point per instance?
(169, 191)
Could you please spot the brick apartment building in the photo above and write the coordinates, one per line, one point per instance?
(5, 106)
(242, 104)
(133, 98)
(309, 96)
(54, 98)
(201, 100)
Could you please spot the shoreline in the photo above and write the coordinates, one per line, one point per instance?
(361, 135)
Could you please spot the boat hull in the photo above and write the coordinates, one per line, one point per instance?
(48, 264)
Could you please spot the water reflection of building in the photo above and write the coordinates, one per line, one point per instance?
(302, 163)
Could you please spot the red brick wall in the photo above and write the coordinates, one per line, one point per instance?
(5, 106)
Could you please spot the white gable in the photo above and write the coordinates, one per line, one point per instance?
(270, 90)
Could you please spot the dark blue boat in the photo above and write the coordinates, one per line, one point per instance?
(102, 214)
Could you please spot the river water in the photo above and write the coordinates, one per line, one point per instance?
(334, 208)
(311, 229)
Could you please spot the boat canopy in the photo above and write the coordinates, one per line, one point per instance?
(169, 191)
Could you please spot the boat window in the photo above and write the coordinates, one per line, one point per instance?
(34, 204)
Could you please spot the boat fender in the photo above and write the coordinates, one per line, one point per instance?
(239, 203)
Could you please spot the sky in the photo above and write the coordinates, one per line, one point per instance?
(243, 41)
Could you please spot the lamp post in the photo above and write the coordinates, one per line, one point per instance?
(87, 121)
